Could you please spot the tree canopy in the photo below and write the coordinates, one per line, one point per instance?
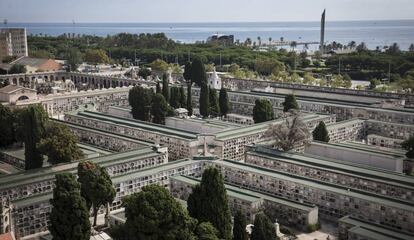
(7, 126)
(154, 214)
(140, 101)
(204, 101)
(69, 218)
(288, 135)
(409, 146)
(320, 133)
(224, 102)
(96, 56)
(96, 186)
(214, 103)
(59, 144)
(33, 120)
(290, 103)
(209, 203)
(198, 72)
(189, 100)
(159, 109)
(262, 111)
(239, 228)
(263, 228)
(165, 87)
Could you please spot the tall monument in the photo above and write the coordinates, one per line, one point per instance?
(322, 43)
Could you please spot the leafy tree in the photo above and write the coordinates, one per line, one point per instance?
(159, 109)
(74, 58)
(409, 146)
(292, 132)
(59, 144)
(320, 133)
(262, 111)
(308, 79)
(140, 101)
(263, 228)
(159, 65)
(158, 88)
(96, 56)
(33, 120)
(198, 72)
(183, 99)
(208, 202)
(96, 186)
(269, 66)
(69, 219)
(373, 83)
(189, 100)
(165, 88)
(239, 228)
(144, 73)
(17, 68)
(204, 101)
(187, 72)
(7, 128)
(224, 102)
(206, 231)
(214, 104)
(290, 103)
(154, 214)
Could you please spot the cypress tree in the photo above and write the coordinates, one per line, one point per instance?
(262, 111)
(158, 88)
(320, 133)
(198, 72)
(187, 72)
(204, 101)
(208, 202)
(224, 102)
(189, 100)
(140, 101)
(7, 128)
(183, 99)
(96, 186)
(165, 88)
(33, 120)
(239, 228)
(159, 109)
(290, 103)
(175, 97)
(214, 104)
(69, 219)
(263, 228)
(409, 146)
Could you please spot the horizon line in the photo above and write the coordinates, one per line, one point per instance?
(174, 22)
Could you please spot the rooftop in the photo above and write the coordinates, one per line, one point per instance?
(330, 187)
(173, 132)
(350, 169)
(379, 231)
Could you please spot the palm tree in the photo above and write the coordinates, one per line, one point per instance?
(270, 41)
(293, 44)
(352, 44)
(259, 40)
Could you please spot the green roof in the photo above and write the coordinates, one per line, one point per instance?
(330, 187)
(375, 230)
(42, 174)
(173, 132)
(107, 133)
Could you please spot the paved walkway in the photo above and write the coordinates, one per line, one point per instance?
(327, 230)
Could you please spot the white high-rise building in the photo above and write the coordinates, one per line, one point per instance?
(13, 42)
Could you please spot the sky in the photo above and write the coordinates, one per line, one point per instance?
(202, 10)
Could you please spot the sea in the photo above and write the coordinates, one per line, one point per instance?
(373, 33)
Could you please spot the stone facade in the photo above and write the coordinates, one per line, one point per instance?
(287, 212)
(336, 172)
(333, 201)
